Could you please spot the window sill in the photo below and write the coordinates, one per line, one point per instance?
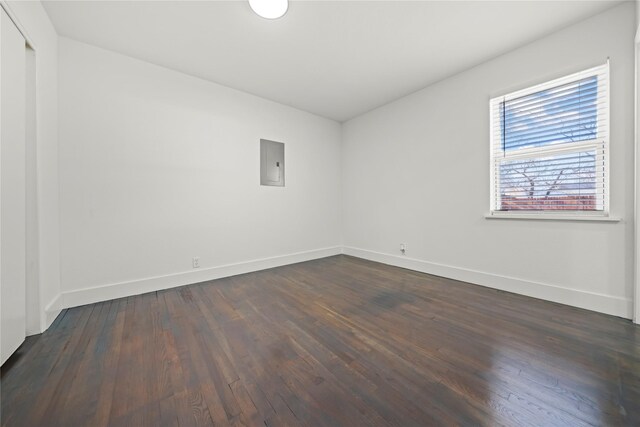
(552, 217)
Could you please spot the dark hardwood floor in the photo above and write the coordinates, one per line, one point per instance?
(333, 342)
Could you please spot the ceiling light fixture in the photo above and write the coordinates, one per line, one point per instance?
(269, 9)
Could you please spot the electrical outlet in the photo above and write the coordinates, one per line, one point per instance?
(403, 248)
(196, 262)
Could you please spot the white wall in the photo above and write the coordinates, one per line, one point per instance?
(32, 239)
(33, 20)
(157, 167)
(417, 171)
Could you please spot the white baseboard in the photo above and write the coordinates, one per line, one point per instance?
(51, 311)
(150, 284)
(607, 304)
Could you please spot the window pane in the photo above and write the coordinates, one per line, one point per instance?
(566, 113)
(560, 182)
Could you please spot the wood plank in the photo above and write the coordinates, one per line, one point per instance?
(330, 342)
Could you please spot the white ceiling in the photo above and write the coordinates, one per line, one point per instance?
(337, 59)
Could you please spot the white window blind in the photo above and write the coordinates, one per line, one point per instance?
(549, 146)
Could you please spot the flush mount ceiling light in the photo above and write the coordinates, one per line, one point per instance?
(269, 9)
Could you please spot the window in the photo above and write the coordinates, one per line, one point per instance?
(549, 147)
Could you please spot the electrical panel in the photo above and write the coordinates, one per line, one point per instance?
(271, 163)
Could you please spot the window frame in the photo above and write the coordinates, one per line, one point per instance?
(599, 143)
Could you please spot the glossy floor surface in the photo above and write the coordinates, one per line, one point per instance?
(332, 342)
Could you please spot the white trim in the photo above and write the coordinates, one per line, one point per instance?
(600, 144)
(636, 245)
(607, 143)
(150, 284)
(13, 16)
(551, 84)
(51, 311)
(616, 306)
(47, 316)
(544, 215)
(554, 150)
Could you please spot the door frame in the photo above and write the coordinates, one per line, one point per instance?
(34, 311)
(636, 256)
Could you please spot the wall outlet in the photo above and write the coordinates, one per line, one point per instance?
(403, 248)
(196, 262)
